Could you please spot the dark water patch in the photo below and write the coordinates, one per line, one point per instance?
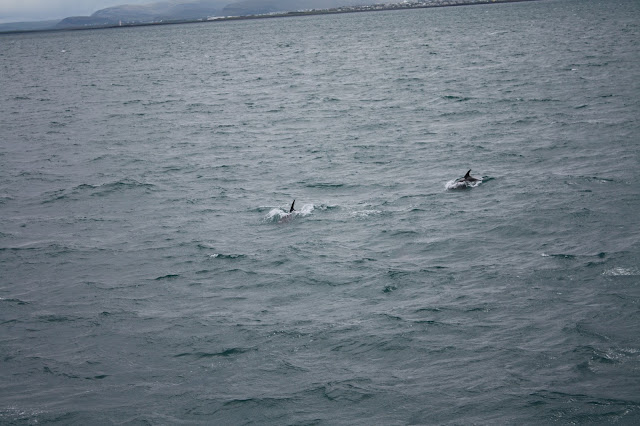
(398, 274)
(456, 115)
(97, 190)
(588, 331)
(326, 185)
(514, 231)
(114, 187)
(98, 377)
(456, 98)
(404, 233)
(168, 277)
(390, 317)
(599, 179)
(478, 309)
(53, 318)
(51, 249)
(582, 408)
(594, 355)
(55, 196)
(17, 302)
(429, 322)
(231, 352)
(352, 391)
(268, 409)
(429, 310)
(54, 372)
(590, 260)
(436, 269)
(364, 260)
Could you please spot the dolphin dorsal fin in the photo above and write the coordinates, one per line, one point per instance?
(467, 175)
(292, 209)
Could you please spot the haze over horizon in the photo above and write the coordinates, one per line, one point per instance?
(43, 10)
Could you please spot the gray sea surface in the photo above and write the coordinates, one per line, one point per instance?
(150, 272)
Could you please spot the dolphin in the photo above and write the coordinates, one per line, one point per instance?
(468, 178)
(287, 217)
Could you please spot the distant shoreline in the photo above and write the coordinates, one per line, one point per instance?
(314, 12)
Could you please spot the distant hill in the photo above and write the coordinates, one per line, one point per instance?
(192, 10)
(153, 12)
(197, 9)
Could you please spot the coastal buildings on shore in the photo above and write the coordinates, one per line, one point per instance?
(406, 4)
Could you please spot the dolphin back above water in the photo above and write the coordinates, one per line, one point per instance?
(468, 178)
(283, 216)
(467, 181)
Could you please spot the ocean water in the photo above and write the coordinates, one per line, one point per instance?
(150, 272)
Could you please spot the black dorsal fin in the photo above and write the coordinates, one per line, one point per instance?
(467, 175)
(292, 209)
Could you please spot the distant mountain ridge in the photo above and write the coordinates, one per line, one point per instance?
(194, 10)
(174, 10)
(152, 12)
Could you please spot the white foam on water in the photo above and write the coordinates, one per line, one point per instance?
(621, 272)
(460, 184)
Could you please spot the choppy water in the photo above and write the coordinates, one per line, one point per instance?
(151, 275)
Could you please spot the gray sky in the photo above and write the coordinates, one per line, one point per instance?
(38, 10)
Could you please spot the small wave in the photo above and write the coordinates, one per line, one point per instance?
(224, 353)
(16, 301)
(456, 98)
(123, 184)
(55, 318)
(16, 415)
(98, 377)
(167, 277)
(52, 248)
(97, 190)
(350, 391)
(325, 185)
(226, 256)
(560, 256)
(430, 310)
(362, 214)
(389, 288)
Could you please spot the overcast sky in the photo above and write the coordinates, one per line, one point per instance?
(38, 10)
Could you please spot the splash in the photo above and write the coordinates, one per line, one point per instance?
(280, 216)
(461, 184)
